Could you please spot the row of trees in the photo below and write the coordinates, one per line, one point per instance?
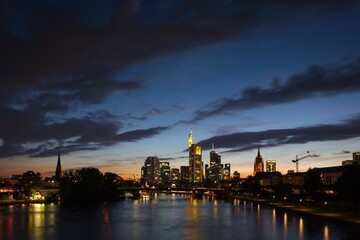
(86, 185)
(89, 185)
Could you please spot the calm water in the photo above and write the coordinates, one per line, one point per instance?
(163, 217)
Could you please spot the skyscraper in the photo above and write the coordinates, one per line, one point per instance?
(258, 164)
(214, 171)
(151, 170)
(164, 172)
(195, 161)
(226, 171)
(270, 165)
(58, 172)
(215, 159)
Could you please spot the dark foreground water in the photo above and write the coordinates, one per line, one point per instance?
(163, 217)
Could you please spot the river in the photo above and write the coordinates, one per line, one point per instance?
(163, 217)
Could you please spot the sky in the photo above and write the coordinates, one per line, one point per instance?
(113, 82)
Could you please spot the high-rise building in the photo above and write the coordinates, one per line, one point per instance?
(356, 157)
(270, 165)
(151, 170)
(164, 172)
(58, 172)
(185, 173)
(215, 159)
(175, 174)
(214, 171)
(236, 175)
(258, 164)
(195, 161)
(226, 171)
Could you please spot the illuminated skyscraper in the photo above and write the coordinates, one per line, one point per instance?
(58, 172)
(164, 172)
(270, 165)
(214, 171)
(215, 159)
(226, 171)
(151, 170)
(258, 164)
(195, 161)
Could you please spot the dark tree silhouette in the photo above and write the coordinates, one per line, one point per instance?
(347, 186)
(313, 186)
(89, 185)
(112, 183)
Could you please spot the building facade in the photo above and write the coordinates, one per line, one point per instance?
(175, 174)
(270, 165)
(185, 173)
(356, 157)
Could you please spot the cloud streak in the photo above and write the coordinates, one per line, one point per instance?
(315, 82)
(244, 141)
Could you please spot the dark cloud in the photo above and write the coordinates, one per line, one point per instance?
(237, 142)
(57, 56)
(136, 135)
(315, 82)
(81, 47)
(30, 132)
(154, 112)
(345, 152)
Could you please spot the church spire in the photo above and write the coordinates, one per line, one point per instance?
(58, 173)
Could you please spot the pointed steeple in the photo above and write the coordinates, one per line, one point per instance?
(58, 173)
(212, 147)
(258, 164)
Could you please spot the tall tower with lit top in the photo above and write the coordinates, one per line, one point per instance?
(195, 161)
(258, 164)
(190, 140)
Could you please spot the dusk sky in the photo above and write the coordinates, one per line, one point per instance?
(112, 82)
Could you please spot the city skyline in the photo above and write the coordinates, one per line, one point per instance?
(112, 83)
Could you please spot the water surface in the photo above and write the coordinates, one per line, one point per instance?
(164, 217)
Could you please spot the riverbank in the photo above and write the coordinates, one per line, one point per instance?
(330, 214)
(15, 202)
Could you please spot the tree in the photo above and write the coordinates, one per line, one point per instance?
(347, 186)
(30, 182)
(89, 185)
(83, 186)
(112, 182)
(313, 185)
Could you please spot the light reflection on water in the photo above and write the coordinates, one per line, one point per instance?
(163, 217)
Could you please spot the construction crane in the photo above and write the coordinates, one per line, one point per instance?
(298, 159)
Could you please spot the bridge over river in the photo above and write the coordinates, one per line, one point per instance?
(196, 192)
